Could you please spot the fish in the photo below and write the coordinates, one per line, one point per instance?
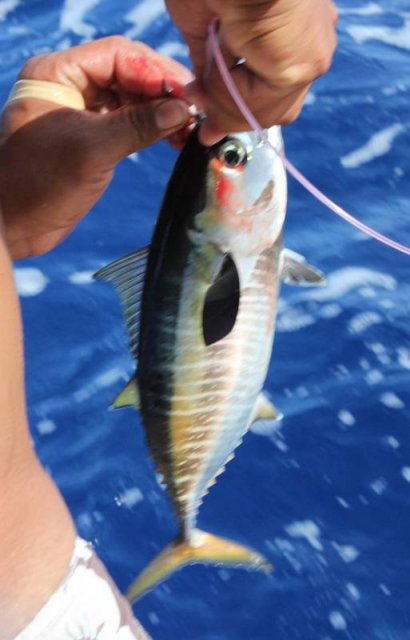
(200, 306)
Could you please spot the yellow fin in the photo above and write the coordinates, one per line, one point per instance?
(264, 409)
(128, 396)
(201, 547)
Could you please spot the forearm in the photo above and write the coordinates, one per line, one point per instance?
(36, 542)
(14, 436)
(34, 521)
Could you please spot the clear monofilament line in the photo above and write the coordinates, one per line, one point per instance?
(309, 186)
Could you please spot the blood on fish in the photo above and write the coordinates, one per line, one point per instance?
(224, 190)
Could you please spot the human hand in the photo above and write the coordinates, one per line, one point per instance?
(286, 43)
(56, 162)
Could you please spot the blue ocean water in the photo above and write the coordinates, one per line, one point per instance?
(325, 494)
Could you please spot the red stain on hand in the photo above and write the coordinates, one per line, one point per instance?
(146, 76)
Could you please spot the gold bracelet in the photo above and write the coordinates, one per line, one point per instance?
(50, 91)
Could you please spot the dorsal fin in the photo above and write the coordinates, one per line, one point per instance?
(127, 274)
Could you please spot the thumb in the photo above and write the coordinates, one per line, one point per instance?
(132, 128)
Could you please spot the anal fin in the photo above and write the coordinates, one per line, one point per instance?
(128, 396)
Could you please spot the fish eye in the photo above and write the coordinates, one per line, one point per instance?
(233, 154)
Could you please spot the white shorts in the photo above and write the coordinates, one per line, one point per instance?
(86, 606)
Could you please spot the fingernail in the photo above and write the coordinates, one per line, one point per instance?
(193, 111)
(170, 114)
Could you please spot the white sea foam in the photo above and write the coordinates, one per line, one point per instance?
(369, 9)
(134, 157)
(393, 442)
(405, 472)
(84, 520)
(378, 145)
(104, 380)
(224, 575)
(153, 618)
(310, 98)
(392, 90)
(288, 551)
(29, 281)
(143, 15)
(293, 320)
(399, 38)
(19, 29)
(342, 281)
(72, 17)
(353, 591)
(45, 427)
(337, 621)
(403, 356)
(306, 529)
(6, 7)
(384, 359)
(391, 400)
(374, 376)
(376, 347)
(379, 486)
(385, 589)
(63, 44)
(332, 310)
(130, 497)
(343, 503)
(81, 277)
(347, 552)
(367, 292)
(362, 321)
(346, 417)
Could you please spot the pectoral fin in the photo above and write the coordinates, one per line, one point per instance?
(128, 396)
(265, 410)
(295, 270)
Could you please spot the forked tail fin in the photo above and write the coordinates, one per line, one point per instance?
(201, 547)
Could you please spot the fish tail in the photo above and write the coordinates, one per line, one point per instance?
(201, 547)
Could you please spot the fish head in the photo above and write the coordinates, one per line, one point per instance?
(246, 194)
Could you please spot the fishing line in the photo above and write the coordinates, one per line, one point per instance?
(299, 177)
